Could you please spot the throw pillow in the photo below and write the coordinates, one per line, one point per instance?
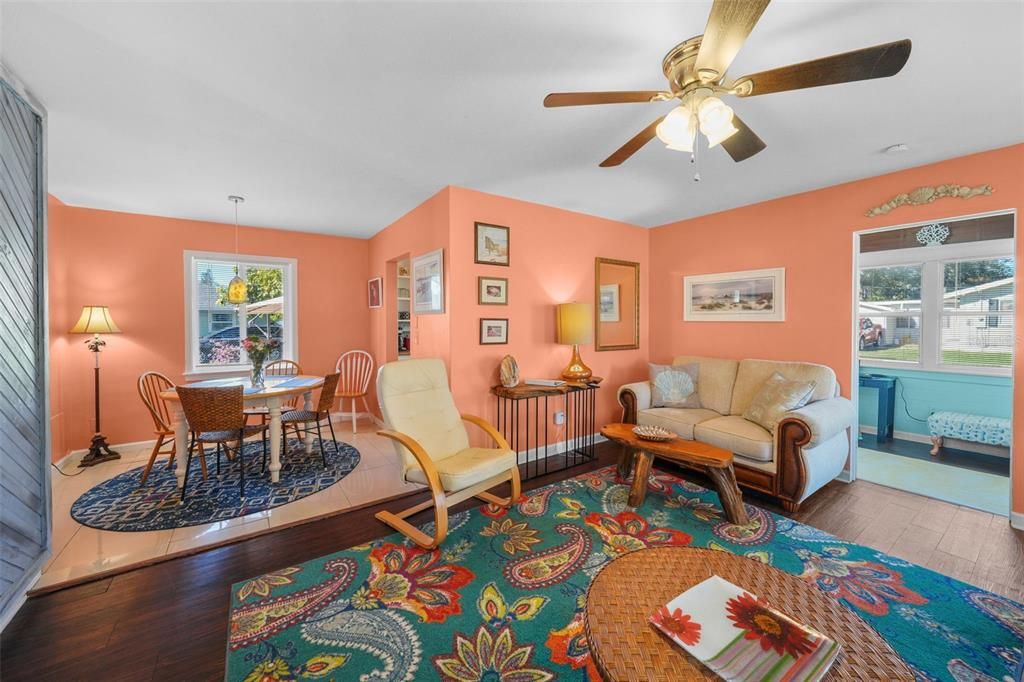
(777, 396)
(674, 385)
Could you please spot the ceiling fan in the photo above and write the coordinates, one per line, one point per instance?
(696, 70)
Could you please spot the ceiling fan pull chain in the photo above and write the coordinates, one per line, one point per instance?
(693, 161)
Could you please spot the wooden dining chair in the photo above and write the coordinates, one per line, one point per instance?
(277, 368)
(215, 417)
(356, 369)
(151, 385)
(304, 421)
(430, 436)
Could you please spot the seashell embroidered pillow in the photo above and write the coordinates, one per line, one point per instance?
(674, 385)
(777, 396)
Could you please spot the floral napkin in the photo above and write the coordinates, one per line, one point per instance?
(740, 637)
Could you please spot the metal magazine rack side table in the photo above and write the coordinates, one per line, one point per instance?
(524, 417)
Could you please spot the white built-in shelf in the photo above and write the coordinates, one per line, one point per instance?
(404, 298)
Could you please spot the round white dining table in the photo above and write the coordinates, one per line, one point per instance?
(275, 392)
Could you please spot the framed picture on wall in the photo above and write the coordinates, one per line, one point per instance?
(375, 292)
(748, 296)
(492, 244)
(493, 331)
(608, 306)
(428, 283)
(492, 290)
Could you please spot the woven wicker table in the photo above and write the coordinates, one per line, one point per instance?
(629, 589)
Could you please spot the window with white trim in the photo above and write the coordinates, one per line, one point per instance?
(939, 308)
(214, 328)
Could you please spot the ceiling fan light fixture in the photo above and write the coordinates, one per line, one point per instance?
(716, 120)
(678, 129)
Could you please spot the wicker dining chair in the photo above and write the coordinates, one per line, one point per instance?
(277, 368)
(356, 369)
(215, 417)
(305, 420)
(151, 385)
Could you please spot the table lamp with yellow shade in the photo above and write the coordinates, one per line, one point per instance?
(575, 325)
(96, 320)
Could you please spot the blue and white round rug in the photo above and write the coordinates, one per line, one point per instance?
(120, 504)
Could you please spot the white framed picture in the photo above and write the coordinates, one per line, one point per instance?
(428, 283)
(608, 306)
(746, 296)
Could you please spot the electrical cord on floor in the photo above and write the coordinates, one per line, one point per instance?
(903, 397)
(66, 475)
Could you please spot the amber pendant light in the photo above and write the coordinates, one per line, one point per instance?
(238, 290)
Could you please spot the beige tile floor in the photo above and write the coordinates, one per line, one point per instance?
(79, 551)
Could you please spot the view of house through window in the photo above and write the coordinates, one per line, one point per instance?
(217, 330)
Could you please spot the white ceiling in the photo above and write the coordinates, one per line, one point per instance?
(340, 117)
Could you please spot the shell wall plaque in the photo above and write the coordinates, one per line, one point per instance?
(926, 195)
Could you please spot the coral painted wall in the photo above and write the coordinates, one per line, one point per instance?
(811, 234)
(134, 264)
(552, 254)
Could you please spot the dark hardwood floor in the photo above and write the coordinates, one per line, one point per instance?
(169, 621)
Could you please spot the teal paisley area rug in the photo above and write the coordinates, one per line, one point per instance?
(503, 597)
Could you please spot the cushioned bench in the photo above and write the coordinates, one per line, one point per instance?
(969, 427)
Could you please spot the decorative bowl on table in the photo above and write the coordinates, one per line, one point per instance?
(654, 433)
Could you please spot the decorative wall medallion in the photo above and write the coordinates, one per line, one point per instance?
(935, 234)
(926, 195)
(509, 372)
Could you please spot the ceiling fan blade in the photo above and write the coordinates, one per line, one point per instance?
(880, 61)
(633, 146)
(575, 99)
(729, 24)
(744, 143)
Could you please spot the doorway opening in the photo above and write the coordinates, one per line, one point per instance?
(934, 337)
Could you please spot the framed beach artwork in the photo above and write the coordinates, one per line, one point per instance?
(608, 305)
(492, 290)
(375, 292)
(493, 331)
(491, 244)
(428, 283)
(748, 296)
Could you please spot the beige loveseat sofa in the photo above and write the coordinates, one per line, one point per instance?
(808, 448)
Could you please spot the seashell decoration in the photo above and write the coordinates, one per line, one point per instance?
(653, 433)
(509, 371)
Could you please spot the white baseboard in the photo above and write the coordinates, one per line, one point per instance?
(1017, 520)
(556, 448)
(956, 443)
(844, 476)
(15, 604)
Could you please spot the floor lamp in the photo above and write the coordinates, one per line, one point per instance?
(96, 320)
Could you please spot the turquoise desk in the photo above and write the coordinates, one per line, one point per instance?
(886, 386)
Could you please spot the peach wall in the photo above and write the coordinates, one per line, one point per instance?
(552, 261)
(811, 234)
(134, 264)
(420, 231)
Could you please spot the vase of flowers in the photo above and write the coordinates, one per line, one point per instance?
(258, 348)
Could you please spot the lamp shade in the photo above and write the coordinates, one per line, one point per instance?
(95, 319)
(575, 323)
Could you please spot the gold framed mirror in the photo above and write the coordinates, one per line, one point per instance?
(617, 304)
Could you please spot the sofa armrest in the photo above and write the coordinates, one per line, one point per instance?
(634, 398)
(824, 418)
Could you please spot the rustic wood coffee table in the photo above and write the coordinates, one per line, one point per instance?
(714, 461)
(625, 646)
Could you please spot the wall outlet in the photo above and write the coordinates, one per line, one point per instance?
(559, 418)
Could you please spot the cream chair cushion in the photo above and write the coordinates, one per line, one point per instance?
(753, 373)
(715, 381)
(676, 419)
(736, 435)
(467, 467)
(415, 400)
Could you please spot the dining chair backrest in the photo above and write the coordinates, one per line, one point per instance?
(282, 368)
(212, 409)
(415, 400)
(356, 370)
(151, 385)
(327, 392)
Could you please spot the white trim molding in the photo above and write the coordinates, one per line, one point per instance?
(1017, 520)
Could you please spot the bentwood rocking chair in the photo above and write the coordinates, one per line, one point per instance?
(215, 417)
(151, 385)
(430, 437)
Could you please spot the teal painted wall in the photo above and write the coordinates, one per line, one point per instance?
(927, 392)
